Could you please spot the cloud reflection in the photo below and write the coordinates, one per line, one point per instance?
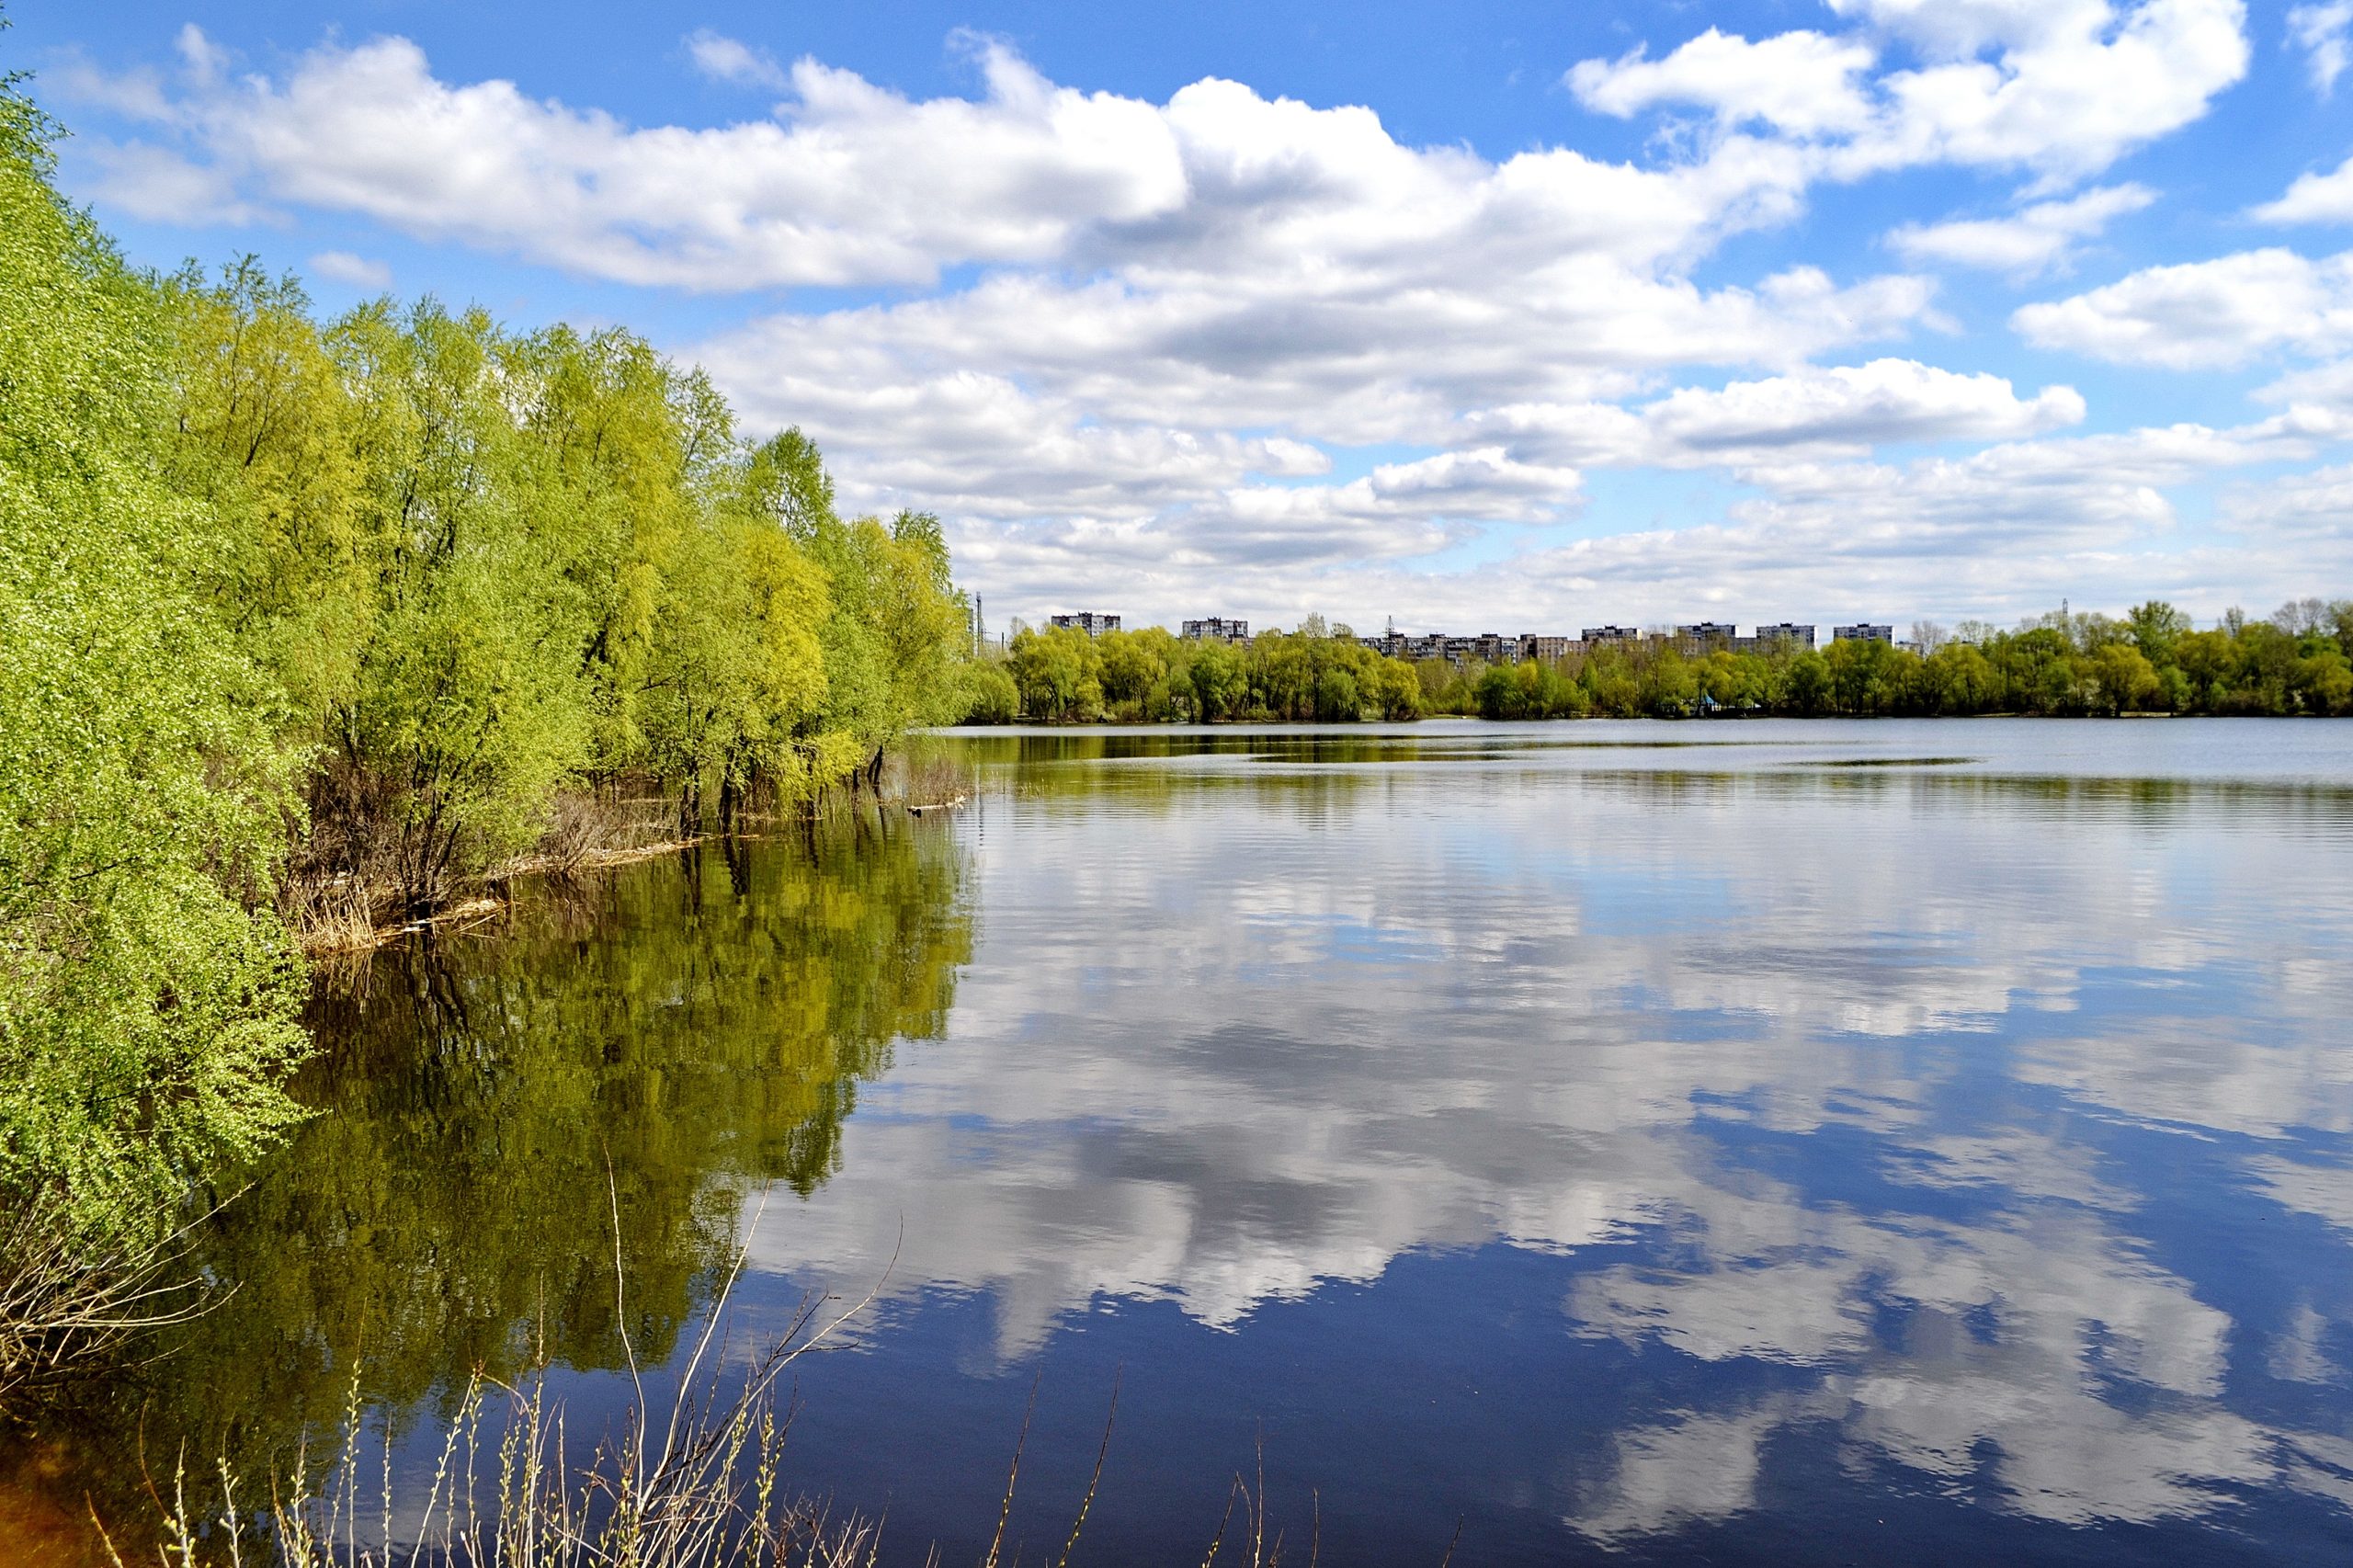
(1833, 1073)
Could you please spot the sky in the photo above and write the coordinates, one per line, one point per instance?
(1487, 317)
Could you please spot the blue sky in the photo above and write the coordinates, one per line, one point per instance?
(1508, 317)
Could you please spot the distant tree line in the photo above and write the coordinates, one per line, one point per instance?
(2299, 661)
(1148, 675)
(2062, 664)
(295, 609)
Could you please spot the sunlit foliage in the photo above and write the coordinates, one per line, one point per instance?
(292, 607)
(2297, 662)
(147, 993)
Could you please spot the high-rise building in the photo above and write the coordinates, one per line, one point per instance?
(1863, 631)
(1217, 629)
(1095, 623)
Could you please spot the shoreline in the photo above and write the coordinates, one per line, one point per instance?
(326, 942)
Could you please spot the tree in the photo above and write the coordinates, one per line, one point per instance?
(1133, 662)
(990, 696)
(265, 439)
(470, 705)
(1058, 673)
(1219, 682)
(1805, 687)
(1397, 690)
(1959, 679)
(2157, 630)
(148, 1000)
(2123, 677)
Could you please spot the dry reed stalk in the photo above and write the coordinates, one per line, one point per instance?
(67, 1303)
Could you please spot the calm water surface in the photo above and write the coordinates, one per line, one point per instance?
(1910, 1143)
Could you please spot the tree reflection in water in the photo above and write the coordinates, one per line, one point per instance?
(695, 1028)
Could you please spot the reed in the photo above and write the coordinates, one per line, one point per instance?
(69, 1298)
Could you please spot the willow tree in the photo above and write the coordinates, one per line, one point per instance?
(263, 429)
(147, 995)
(469, 707)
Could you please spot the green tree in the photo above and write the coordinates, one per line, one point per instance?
(1058, 672)
(990, 696)
(1134, 664)
(2123, 677)
(147, 996)
(2157, 630)
(1220, 684)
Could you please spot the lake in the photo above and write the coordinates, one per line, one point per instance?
(1741, 1142)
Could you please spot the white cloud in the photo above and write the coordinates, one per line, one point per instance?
(1961, 29)
(724, 59)
(2063, 87)
(343, 267)
(2221, 312)
(1183, 311)
(1338, 359)
(2313, 198)
(856, 184)
(1843, 411)
(2033, 240)
(2005, 529)
(1999, 533)
(1799, 82)
(1857, 408)
(2328, 386)
(2302, 514)
(156, 184)
(2320, 31)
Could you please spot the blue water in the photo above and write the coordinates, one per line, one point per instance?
(1672, 1152)
(1601, 1141)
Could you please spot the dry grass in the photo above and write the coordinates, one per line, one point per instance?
(68, 1303)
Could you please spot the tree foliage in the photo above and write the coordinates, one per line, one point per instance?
(147, 993)
(289, 605)
(2299, 661)
(1315, 674)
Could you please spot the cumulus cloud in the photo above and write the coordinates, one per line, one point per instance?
(852, 183)
(1841, 412)
(2313, 198)
(2062, 88)
(1854, 409)
(2326, 386)
(2221, 312)
(857, 184)
(158, 185)
(724, 59)
(1799, 82)
(2004, 531)
(1180, 315)
(2320, 31)
(343, 267)
(2302, 514)
(2034, 239)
